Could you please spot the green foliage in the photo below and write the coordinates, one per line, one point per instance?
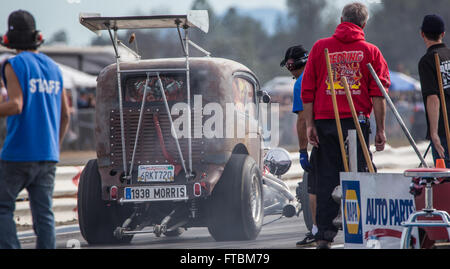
(308, 24)
(59, 37)
(238, 38)
(393, 27)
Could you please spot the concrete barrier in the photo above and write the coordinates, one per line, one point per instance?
(392, 160)
(64, 197)
(64, 182)
(66, 189)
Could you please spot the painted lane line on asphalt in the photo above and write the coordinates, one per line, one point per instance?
(62, 230)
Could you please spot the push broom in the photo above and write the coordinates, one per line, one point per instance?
(336, 112)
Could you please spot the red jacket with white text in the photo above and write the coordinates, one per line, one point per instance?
(349, 56)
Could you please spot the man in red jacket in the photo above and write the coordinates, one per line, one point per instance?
(349, 55)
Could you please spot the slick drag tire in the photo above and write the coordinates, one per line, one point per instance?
(303, 196)
(98, 221)
(237, 211)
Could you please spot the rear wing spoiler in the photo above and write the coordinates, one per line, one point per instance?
(194, 19)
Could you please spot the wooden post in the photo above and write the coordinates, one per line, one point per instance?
(362, 141)
(443, 103)
(336, 111)
(352, 150)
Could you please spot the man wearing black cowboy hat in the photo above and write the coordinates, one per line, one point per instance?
(37, 119)
(295, 61)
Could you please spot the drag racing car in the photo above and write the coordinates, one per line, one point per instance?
(167, 160)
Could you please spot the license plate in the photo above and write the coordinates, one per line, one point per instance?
(156, 173)
(156, 193)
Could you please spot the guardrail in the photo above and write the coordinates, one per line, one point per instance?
(64, 197)
(80, 135)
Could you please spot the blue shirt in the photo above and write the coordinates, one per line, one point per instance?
(298, 104)
(33, 135)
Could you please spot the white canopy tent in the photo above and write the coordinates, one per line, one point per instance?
(73, 78)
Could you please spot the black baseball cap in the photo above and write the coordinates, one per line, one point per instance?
(22, 33)
(433, 24)
(295, 53)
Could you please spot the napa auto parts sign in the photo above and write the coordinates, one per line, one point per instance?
(373, 208)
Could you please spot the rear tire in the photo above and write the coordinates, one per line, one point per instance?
(303, 197)
(237, 210)
(97, 220)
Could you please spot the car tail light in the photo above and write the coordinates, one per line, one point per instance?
(113, 193)
(197, 189)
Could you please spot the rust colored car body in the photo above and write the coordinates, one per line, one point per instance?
(178, 142)
(213, 80)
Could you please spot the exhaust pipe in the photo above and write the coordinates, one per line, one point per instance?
(279, 186)
(289, 211)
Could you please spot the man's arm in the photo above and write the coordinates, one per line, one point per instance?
(301, 130)
(65, 116)
(303, 142)
(311, 131)
(430, 90)
(379, 109)
(433, 110)
(14, 104)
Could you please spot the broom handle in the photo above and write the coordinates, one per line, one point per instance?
(336, 112)
(443, 104)
(362, 141)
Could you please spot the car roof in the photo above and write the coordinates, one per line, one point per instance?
(193, 61)
(221, 65)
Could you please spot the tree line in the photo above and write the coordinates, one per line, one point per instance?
(393, 26)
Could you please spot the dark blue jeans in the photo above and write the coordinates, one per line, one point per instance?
(38, 178)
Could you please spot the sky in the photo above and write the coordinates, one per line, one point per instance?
(54, 15)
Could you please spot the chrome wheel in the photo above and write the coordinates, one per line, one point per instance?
(256, 202)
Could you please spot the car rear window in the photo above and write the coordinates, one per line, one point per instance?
(174, 87)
